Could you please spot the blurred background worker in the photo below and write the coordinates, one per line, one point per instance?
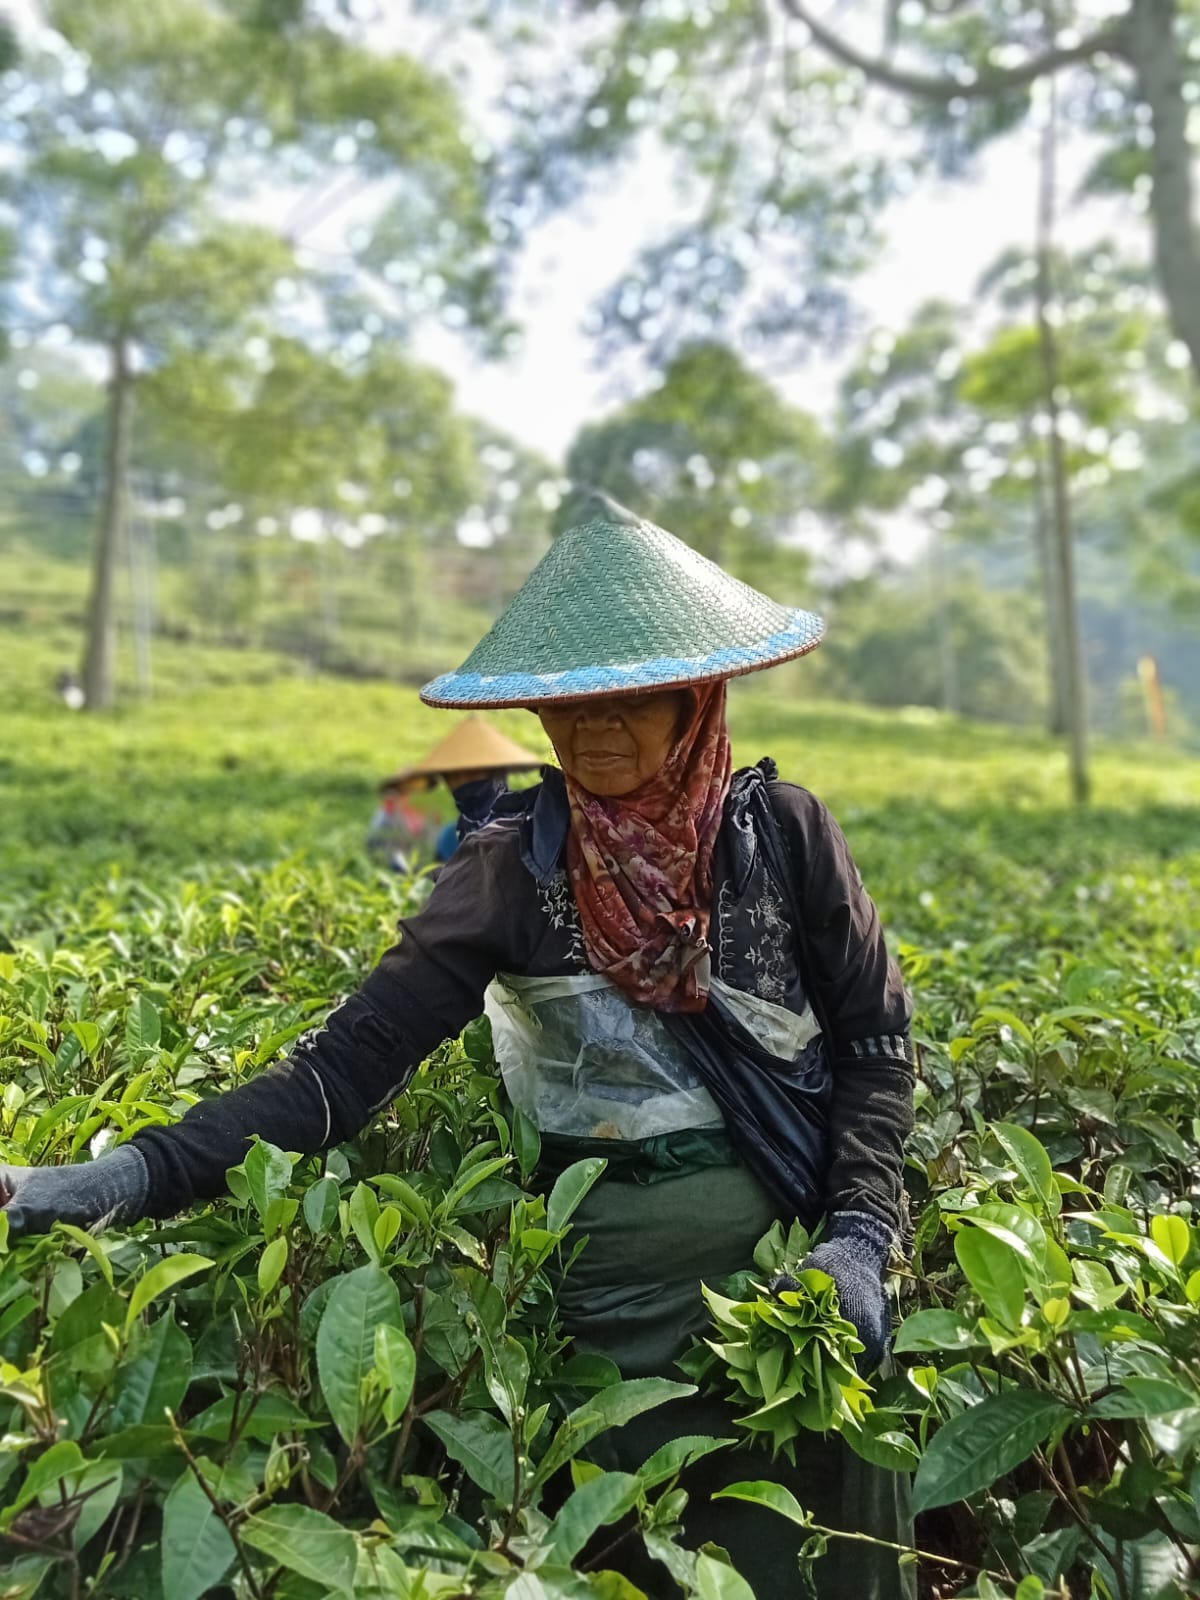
(473, 761)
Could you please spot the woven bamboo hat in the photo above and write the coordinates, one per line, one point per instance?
(473, 746)
(618, 605)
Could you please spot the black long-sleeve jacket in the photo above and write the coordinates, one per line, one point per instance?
(503, 904)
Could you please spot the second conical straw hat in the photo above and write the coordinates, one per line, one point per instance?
(618, 605)
(473, 746)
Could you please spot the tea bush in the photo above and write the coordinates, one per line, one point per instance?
(348, 1379)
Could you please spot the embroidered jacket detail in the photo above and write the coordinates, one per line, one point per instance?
(558, 904)
(769, 952)
(724, 931)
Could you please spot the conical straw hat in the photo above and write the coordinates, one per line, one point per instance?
(473, 746)
(618, 605)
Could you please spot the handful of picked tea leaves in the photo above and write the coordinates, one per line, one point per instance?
(786, 1362)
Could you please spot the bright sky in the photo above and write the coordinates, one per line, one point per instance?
(937, 242)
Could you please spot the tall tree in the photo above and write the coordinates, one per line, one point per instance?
(888, 634)
(947, 422)
(140, 132)
(974, 67)
(345, 449)
(715, 454)
(1062, 602)
(509, 527)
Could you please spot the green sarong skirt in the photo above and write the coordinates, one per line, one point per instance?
(634, 1296)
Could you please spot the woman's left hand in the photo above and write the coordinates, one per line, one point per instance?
(854, 1253)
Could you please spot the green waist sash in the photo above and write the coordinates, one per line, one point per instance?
(665, 1155)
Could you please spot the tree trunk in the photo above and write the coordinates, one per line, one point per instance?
(1060, 523)
(331, 626)
(1156, 55)
(100, 650)
(411, 608)
(947, 657)
(140, 547)
(1056, 713)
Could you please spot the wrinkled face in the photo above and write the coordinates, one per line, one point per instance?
(611, 747)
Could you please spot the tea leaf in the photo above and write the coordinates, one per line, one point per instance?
(364, 1214)
(764, 1492)
(470, 1179)
(197, 1550)
(397, 1363)
(143, 1028)
(321, 1205)
(527, 1142)
(482, 1445)
(976, 1448)
(268, 1172)
(1029, 1157)
(593, 1504)
(271, 1264)
(305, 1541)
(1172, 1236)
(414, 1207)
(93, 1247)
(154, 1376)
(935, 1329)
(715, 1580)
(165, 1275)
(358, 1303)
(608, 1408)
(98, 1488)
(993, 1270)
(671, 1458)
(58, 1462)
(569, 1191)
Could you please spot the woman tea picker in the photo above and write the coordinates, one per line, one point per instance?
(683, 972)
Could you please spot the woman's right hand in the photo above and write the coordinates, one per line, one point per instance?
(93, 1194)
(855, 1254)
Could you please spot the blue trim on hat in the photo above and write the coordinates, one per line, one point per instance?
(522, 688)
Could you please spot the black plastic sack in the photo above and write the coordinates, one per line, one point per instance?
(775, 1111)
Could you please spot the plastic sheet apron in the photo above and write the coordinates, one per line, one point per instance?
(582, 1061)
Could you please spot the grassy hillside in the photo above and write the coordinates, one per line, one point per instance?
(240, 756)
(298, 606)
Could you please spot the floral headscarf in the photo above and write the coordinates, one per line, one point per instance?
(641, 865)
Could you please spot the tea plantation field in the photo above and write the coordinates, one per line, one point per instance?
(347, 1378)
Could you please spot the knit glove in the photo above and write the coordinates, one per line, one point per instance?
(112, 1188)
(854, 1254)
